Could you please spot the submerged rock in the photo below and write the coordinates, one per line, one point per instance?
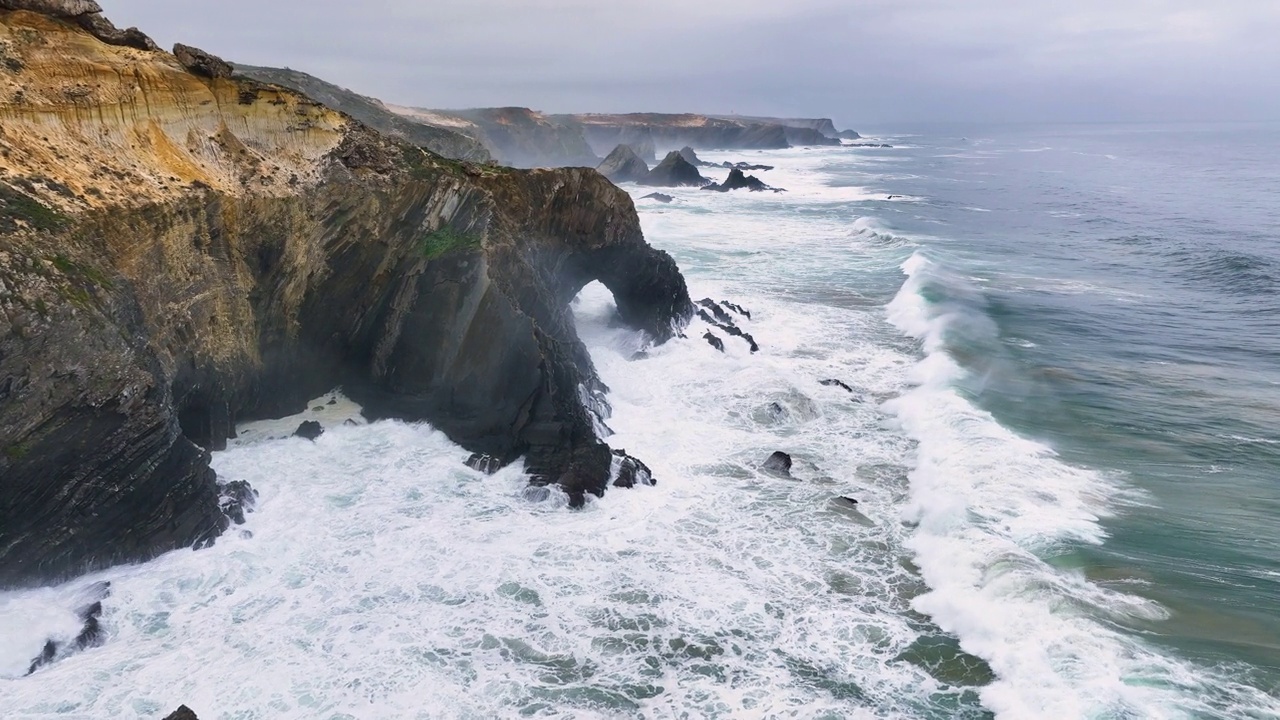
(660, 197)
(674, 171)
(309, 429)
(779, 463)
(623, 165)
(836, 383)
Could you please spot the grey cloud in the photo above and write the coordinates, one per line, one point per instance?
(876, 61)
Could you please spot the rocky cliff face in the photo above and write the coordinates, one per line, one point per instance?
(181, 251)
(438, 139)
(668, 132)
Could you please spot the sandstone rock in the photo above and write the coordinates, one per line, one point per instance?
(54, 8)
(201, 62)
(106, 31)
(674, 171)
(623, 165)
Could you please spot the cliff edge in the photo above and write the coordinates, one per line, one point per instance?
(181, 250)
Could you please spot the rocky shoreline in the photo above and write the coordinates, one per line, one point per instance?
(256, 250)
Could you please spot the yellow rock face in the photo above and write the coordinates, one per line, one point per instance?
(95, 125)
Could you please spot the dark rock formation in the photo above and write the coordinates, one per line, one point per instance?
(91, 634)
(836, 383)
(779, 463)
(440, 140)
(660, 197)
(674, 171)
(202, 63)
(484, 463)
(713, 341)
(716, 310)
(630, 471)
(237, 498)
(848, 135)
(212, 277)
(729, 328)
(737, 308)
(182, 713)
(691, 156)
(737, 181)
(623, 165)
(309, 429)
(868, 145)
(46, 656)
(88, 15)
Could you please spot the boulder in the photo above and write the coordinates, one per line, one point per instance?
(309, 429)
(779, 463)
(202, 63)
(623, 165)
(674, 171)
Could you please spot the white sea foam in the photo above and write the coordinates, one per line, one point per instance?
(991, 511)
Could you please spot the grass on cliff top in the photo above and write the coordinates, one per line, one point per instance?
(445, 241)
(17, 207)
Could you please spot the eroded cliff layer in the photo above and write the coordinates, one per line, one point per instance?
(180, 251)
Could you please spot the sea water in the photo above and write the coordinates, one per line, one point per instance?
(1062, 349)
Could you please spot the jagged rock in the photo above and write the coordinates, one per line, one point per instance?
(631, 471)
(623, 165)
(737, 308)
(674, 171)
(91, 633)
(54, 8)
(106, 31)
(298, 251)
(776, 411)
(836, 383)
(713, 341)
(715, 309)
(737, 180)
(848, 499)
(730, 328)
(309, 429)
(660, 197)
(779, 463)
(237, 498)
(182, 713)
(201, 62)
(691, 156)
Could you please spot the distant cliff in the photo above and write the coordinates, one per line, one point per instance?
(517, 136)
(440, 140)
(181, 250)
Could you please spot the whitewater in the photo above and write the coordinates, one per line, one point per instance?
(379, 577)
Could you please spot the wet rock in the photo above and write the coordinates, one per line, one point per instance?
(236, 499)
(350, 423)
(318, 408)
(776, 411)
(202, 63)
(737, 308)
(836, 383)
(536, 493)
(631, 471)
(674, 171)
(182, 713)
(730, 329)
(660, 197)
(91, 634)
(737, 181)
(46, 656)
(713, 341)
(779, 463)
(332, 401)
(309, 429)
(848, 499)
(486, 464)
(715, 309)
(623, 165)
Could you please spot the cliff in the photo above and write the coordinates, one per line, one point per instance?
(516, 136)
(180, 251)
(668, 132)
(439, 139)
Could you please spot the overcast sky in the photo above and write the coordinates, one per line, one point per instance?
(865, 62)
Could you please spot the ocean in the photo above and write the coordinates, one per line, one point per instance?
(1062, 353)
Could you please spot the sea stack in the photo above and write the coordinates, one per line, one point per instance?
(623, 165)
(674, 171)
